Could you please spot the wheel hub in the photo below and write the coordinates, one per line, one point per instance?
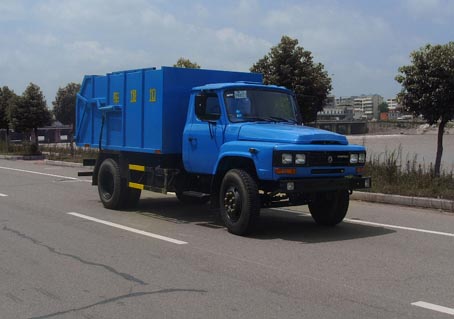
(232, 204)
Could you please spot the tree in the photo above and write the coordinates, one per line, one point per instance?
(383, 107)
(186, 63)
(65, 104)
(7, 98)
(428, 88)
(30, 112)
(289, 65)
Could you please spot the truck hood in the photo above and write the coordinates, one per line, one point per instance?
(284, 133)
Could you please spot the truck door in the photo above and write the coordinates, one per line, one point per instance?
(204, 136)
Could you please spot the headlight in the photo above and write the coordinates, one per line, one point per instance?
(362, 158)
(287, 159)
(353, 158)
(300, 159)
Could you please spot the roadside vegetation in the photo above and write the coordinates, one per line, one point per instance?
(56, 152)
(393, 174)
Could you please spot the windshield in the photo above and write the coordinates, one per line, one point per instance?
(244, 105)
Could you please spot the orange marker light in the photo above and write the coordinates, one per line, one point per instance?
(359, 170)
(285, 171)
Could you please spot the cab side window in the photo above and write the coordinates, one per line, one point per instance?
(207, 107)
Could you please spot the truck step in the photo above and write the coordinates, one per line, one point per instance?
(84, 173)
(195, 194)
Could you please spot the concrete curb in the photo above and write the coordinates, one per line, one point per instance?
(62, 163)
(423, 202)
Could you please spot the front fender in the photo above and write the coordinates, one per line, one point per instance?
(259, 152)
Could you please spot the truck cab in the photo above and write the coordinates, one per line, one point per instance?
(254, 129)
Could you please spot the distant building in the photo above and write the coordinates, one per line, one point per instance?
(332, 111)
(366, 106)
(394, 109)
(392, 104)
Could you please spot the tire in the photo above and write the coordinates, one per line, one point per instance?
(192, 200)
(239, 202)
(329, 209)
(110, 186)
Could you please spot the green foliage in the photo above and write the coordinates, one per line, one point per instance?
(428, 88)
(428, 83)
(289, 65)
(65, 104)
(186, 63)
(30, 111)
(7, 98)
(383, 107)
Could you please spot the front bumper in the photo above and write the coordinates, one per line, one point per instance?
(311, 185)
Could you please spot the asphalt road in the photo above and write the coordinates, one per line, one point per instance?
(64, 256)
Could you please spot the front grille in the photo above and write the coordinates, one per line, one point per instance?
(327, 159)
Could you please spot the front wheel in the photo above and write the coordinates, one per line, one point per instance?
(239, 201)
(329, 208)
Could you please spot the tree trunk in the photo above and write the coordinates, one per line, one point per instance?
(36, 139)
(7, 139)
(441, 130)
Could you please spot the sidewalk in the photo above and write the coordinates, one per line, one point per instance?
(422, 202)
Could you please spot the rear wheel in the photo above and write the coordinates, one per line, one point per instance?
(113, 190)
(109, 184)
(239, 202)
(329, 208)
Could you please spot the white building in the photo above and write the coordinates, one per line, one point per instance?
(366, 106)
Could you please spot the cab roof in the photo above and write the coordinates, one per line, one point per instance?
(239, 84)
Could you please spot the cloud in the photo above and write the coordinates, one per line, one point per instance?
(53, 42)
(436, 11)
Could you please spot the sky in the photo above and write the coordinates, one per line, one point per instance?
(360, 43)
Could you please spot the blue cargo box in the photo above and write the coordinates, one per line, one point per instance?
(144, 110)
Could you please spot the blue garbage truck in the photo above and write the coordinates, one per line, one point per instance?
(217, 136)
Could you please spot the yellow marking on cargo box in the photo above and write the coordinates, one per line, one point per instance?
(116, 97)
(139, 168)
(133, 96)
(136, 185)
(152, 95)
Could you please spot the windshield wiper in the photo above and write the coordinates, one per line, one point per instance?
(281, 119)
(251, 118)
(273, 119)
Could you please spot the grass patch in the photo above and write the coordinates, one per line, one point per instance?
(393, 175)
(25, 148)
(68, 153)
(60, 152)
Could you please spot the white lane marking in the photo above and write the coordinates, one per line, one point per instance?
(354, 221)
(38, 173)
(363, 222)
(431, 306)
(3, 195)
(133, 230)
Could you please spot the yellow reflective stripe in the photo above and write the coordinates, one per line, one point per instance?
(139, 168)
(136, 186)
